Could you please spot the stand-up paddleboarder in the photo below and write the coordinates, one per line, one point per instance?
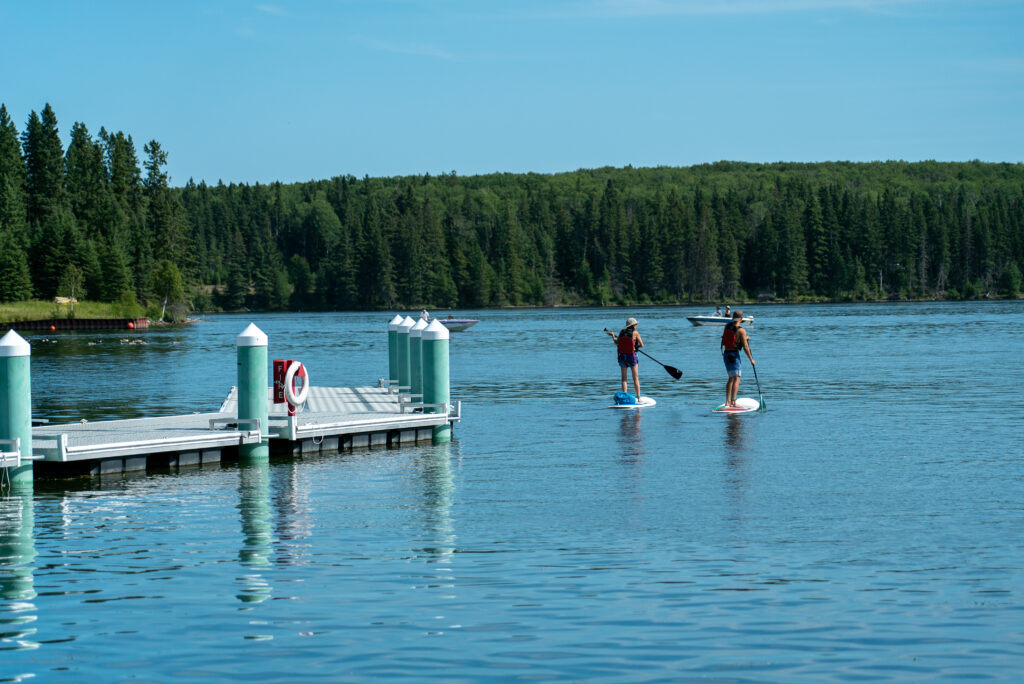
(734, 340)
(627, 342)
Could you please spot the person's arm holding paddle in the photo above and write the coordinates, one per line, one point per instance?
(745, 342)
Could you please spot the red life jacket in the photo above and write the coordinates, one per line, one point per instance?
(729, 338)
(626, 343)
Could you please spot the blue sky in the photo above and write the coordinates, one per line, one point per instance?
(265, 91)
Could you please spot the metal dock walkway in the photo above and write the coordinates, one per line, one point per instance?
(333, 418)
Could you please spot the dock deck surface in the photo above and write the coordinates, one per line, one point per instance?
(329, 412)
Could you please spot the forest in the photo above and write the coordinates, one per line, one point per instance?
(94, 221)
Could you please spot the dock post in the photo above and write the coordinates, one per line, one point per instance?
(393, 352)
(252, 388)
(16, 404)
(404, 363)
(435, 375)
(416, 357)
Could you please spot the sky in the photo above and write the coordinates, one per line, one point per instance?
(270, 91)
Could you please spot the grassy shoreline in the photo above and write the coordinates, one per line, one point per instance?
(39, 310)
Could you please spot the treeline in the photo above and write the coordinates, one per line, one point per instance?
(91, 217)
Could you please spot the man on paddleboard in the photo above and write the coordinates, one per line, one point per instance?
(627, 342)
(734, 340)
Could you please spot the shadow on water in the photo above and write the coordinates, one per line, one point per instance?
(17, 586)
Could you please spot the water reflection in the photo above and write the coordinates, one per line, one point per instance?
(734, 432)
(294, 516)
(17, 587)
(438, 490)
(631, 442)
(736, 462)
(254, 506)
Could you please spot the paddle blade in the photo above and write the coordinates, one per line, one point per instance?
(674, 372)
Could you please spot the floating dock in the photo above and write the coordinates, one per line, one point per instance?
(333, 419)
(411, 405)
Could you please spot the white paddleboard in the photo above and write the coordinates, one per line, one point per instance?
(743, 405)
(642, 402)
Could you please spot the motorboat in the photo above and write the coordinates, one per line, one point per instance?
(458, 324)
(715, 320)
(453, 324)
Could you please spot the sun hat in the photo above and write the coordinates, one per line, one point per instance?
(630, 322)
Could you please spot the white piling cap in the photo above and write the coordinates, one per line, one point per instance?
(252, 337)
(435, 331)
(13, 344)
(418, 328)
(406, 325)
(395, 322)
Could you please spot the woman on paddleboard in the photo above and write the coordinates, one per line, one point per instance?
(734, 340)
(627, 342)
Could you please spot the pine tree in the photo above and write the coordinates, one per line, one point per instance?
(12, 182)
(44, 165)
(376, 280)
(117, 276)
(86, 181)
(15, 283)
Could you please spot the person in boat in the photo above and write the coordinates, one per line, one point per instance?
(425, 315)
(734, 340)
(727, 311)
(718, 310)
(627, 342)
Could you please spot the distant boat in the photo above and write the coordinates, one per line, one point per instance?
(715, 320)
(458, 324)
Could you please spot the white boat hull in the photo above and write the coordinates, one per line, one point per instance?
(715, 320)
(458, 324)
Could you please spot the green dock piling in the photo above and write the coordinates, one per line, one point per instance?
(416, 357)
(252, 388)
(404, 362)
(393, 350)
(436, 375)
(16, 405)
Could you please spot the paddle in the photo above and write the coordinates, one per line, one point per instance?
(672, 370)
(759, 395)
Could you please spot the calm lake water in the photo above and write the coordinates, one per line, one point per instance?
(868, 526)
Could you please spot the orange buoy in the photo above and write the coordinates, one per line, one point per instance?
(52, 328)
(131, 325)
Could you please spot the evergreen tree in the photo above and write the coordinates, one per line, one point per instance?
(44, 166)
(15, 283)
(12, 182)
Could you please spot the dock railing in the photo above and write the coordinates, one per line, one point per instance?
(12, 458)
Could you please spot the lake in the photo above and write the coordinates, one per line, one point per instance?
(868, 526)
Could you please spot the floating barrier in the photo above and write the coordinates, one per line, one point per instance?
(52, 324)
